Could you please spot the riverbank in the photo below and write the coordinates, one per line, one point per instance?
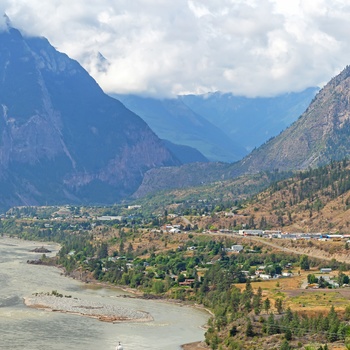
(102, 312)
(199, 345)
(21, 325)
(136, 293)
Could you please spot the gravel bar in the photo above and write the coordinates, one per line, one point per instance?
(103, 312)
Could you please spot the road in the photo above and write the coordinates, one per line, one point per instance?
(315, 253)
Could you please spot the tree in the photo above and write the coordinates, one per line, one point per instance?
(103, 251)
(304, 262)
(267, 305)
(285, 345)
(249, 330)
(322, 283)
(270, 325)
(121, 248)
(312, 279)
(233, 331)
(347, 313)
(158, 287)
(257, 301)
(279, 305)
(343, 279)
(288, 334)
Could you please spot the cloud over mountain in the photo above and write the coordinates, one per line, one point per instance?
(160, 47)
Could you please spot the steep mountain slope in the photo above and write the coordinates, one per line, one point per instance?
(315, 200)
(172, 120)
(61, 138)
(250, 121)
(320, 135)
(185, 154)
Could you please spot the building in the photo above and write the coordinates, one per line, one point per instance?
(109, 218)
(236, 248)
(264, 276)
(250, 232)
(326, 270)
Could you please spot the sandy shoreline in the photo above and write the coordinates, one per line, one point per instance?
(102, 312)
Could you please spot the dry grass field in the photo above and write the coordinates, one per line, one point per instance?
(293, 292)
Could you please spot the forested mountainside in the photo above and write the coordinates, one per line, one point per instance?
(314, 200)
(62, 138)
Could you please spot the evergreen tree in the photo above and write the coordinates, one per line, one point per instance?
(279, 305)
(267, 305)
(270, 325)
(288, 334)
(285, 345)
(257, 302)
(249, 330)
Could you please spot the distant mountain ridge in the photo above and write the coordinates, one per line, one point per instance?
(172, 120)
(222, 126)
(250, 121)
(62, 139)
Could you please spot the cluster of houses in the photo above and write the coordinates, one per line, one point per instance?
(260, 273)
(295, 236)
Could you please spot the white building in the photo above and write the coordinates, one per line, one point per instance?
(109, 218)
(237, 248)
(250, 232)
(264, 276)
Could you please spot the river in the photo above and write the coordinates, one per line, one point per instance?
(24, 328)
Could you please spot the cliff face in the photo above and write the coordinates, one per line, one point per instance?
(61, 138)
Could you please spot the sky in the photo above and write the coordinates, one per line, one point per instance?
(163, 48)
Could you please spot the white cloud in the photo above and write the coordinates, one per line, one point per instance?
(162, 47)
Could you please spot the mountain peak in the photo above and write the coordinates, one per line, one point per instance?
(62, 139)
(5, 23)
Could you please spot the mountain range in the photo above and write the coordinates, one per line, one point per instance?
(318, 136)
(248, 121)
(223, 127)
(62, 139)
(173, 120)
